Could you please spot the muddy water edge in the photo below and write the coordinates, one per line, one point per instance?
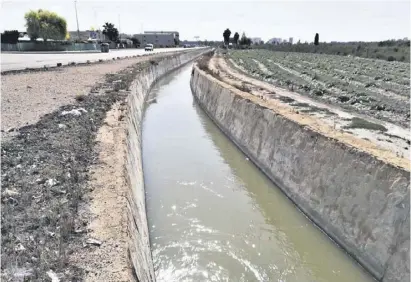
(213, 215)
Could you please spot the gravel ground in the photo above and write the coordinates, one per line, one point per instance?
(45, 169)
(25, 97)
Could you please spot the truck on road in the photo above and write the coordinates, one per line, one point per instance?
(149, 47)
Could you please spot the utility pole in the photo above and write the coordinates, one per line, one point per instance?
(119, 29)
(78, 30)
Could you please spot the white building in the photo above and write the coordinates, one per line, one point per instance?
(290, 40)
(256, 40)
(275, 41)
(175, 33)
(158, 38)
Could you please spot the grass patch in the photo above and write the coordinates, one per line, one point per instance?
(301, 104)
(314, 109)
(286, 99)
(365, 124)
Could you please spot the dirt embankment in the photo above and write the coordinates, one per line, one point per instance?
(55, 217)
(106, 212)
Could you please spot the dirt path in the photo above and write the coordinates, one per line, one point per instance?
(106, 212)
(292, 105)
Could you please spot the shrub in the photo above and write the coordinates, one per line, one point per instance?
(10, 36)
(80, 98)
(390, 58)
(365, 124)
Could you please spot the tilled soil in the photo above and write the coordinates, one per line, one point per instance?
(45, 173)
(363, 99)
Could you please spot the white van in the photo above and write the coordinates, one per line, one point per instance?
(149, 47)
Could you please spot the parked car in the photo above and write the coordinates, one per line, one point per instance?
(149, 47)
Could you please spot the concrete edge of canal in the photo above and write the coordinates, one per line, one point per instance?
(139, 244)
(359, 201)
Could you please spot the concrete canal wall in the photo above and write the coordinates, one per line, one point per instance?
(361, 202)
(139, 244)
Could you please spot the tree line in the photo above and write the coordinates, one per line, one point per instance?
(10, 36)
(48, 25)
(243, 41)
(389, 50)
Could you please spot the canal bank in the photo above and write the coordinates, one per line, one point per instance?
(212, 214)
(358, 200)
(139, 243)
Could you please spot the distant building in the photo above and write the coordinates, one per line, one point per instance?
(256, 40)
(159, 38)
(175, 33)
(290, 40)
(275, 41)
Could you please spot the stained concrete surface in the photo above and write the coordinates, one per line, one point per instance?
(358, 200)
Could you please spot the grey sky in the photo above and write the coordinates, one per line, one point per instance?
(333, 20)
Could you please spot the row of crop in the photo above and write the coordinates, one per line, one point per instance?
(280, 76)
(379, 68)
(372, 83)
(329, 81)
(329, 68)
(349, 64)
(312, 82)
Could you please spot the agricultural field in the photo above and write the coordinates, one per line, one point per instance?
(371, 87)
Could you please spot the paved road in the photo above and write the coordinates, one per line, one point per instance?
(17, 61)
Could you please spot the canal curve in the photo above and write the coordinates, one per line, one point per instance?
(212, 214)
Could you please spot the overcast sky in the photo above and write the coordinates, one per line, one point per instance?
(333, 20)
